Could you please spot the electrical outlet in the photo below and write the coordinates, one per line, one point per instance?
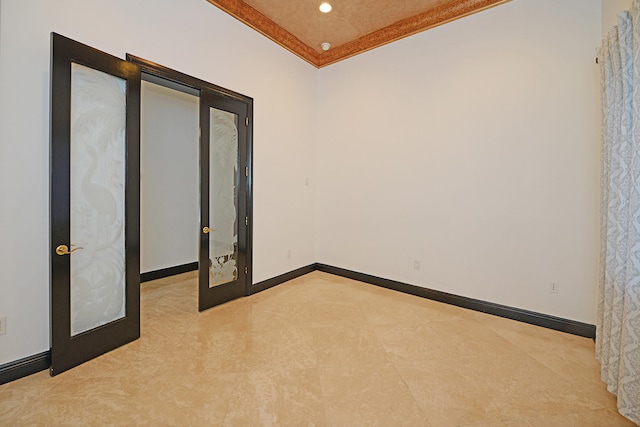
(416, 264)
(554, 287)
(3, 325)
(289, 254)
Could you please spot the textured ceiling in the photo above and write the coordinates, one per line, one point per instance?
(352, 27)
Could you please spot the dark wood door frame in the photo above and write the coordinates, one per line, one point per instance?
(167, 77)
(232, 288)
(69, 350)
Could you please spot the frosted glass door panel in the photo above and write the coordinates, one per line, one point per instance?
(98, 122)
(223, 197)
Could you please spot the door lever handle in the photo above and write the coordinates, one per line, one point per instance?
(64, 250)
(207, 230)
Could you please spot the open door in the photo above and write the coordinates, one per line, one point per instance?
(95, 197)
(223, 261)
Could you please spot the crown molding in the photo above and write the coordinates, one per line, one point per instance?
(437, 16)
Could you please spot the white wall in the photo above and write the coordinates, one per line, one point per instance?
(169, 178)
(610, 9)
(472, 148)
(188, 35)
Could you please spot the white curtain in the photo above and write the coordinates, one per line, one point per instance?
(618, 319)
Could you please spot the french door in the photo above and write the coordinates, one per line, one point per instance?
(224, 258)
(95, 197)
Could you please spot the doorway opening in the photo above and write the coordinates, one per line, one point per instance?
(214, 174)
(169, 181)
(95, 196)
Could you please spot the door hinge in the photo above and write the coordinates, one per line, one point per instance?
(246, 270)
(246, 121)
(246, 220)
(246, 171)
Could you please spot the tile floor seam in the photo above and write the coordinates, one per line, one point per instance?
(424, 413)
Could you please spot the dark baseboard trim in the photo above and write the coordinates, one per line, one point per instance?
(21, 368)
(274, 281)
(538, 319)
(39, 362)
(168, 272)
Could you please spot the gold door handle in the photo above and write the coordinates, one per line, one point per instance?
(64, 250)
(206, 230)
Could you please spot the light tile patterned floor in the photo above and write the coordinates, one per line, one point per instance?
(322, 350)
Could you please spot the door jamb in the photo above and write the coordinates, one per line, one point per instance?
(167, 77)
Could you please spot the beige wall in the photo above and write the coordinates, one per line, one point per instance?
(169, 178)
(473, 149)
(610, 9)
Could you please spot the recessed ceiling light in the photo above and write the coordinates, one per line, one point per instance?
(325, 46)
(325, 8)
